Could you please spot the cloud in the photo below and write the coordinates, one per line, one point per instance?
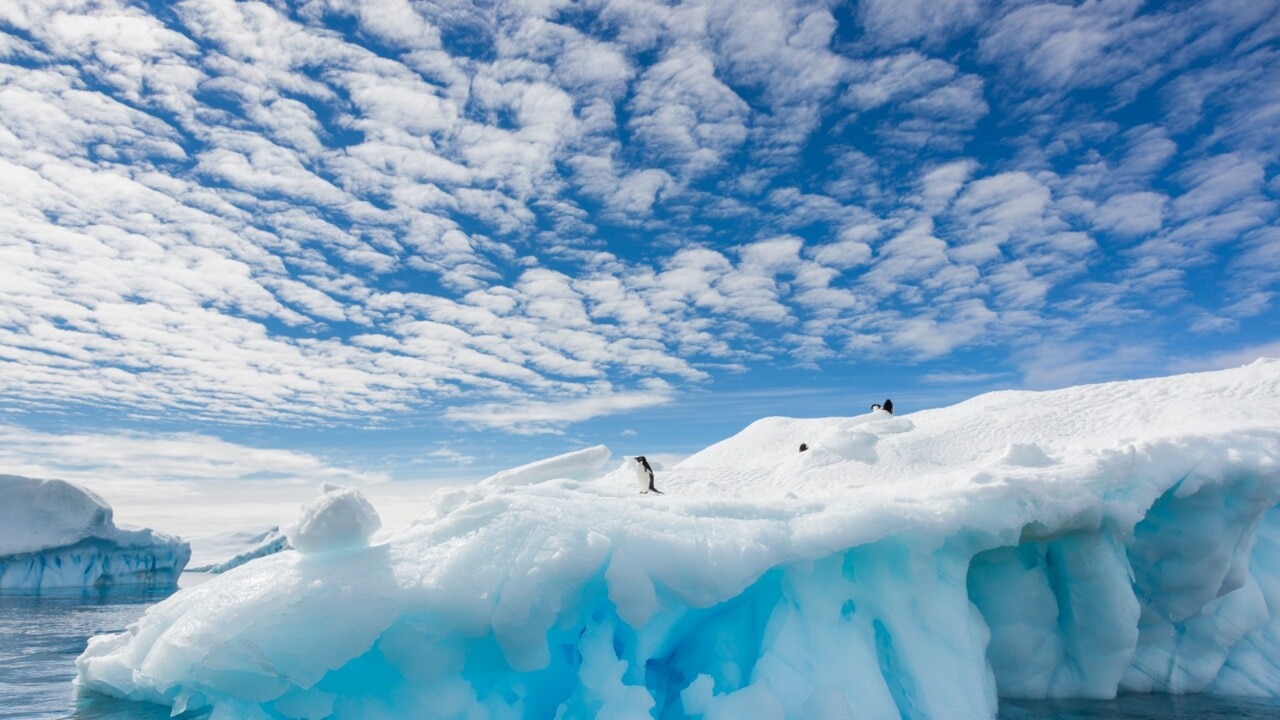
(345, 213)
(1057, 364)
(1131, 214)
(452, 456)
(890, 22)
(1231, 358)
(177, 458)
(531, 418)
(958, 378)
(684, 115)
(1216, 182)
(927, 101)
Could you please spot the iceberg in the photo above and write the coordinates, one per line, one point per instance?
(219, 552)
(58, 535)
(1072, 543)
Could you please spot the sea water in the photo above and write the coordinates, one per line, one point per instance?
(41, 636)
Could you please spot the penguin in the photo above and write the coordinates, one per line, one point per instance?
(644, 473)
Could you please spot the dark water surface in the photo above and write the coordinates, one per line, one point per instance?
(41, 636)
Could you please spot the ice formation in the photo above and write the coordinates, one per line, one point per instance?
(582, 464)
(220, 552)
(1066, 543)
(57, 535)
(339, 519)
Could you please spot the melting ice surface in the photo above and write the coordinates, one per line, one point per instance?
(1074, 543)
(58, 535)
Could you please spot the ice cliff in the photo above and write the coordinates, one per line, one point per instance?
(1066, 543)
(57, 535)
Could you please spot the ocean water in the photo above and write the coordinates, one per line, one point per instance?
(41, 636)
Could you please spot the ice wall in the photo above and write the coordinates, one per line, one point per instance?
(1071, 543)
(57, 535)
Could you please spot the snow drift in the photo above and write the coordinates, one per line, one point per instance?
(1067, 543)
(54, 534)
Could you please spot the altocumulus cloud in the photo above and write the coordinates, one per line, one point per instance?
(525, 215)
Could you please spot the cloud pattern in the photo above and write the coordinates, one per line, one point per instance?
(523, 215)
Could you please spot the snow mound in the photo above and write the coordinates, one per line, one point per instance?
(339, 519)
(57, 535)
(906, 567)
(1027, 455)
(582, 464)
(221, 552)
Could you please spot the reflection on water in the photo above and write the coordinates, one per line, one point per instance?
(1143, 707)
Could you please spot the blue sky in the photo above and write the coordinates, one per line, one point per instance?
(399, 240)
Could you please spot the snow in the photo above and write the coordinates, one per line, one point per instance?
(219, 552)
(58, 535)
(577, 465)
(340, 518)
(1072, 543)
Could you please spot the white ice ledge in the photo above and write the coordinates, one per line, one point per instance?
(1068, 543)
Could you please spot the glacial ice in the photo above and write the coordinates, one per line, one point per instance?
(1071, 543)
(58, 535)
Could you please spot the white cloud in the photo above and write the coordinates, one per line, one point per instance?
(684, 114)
(452, 456)
(998, 209)
(1232, 358)
(233, 213)
(527, 417)
(960, 377)
(186, 483)
(1131, 214)
(890, 22)
(1215, 182)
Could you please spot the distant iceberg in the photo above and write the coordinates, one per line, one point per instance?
(221, 552)
(57, 535)
(1060, 544)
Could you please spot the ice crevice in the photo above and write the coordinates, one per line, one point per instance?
(1067, 544)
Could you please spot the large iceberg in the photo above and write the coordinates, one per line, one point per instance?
(57, 535)
(1060, 544)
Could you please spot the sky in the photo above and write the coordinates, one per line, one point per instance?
(392, 243)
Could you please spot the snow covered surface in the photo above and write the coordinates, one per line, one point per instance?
(57, 535)
(582, 464)
(219, 552)
(1067, 543)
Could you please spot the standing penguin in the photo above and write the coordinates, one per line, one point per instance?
(644, 473)
(888, 406)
